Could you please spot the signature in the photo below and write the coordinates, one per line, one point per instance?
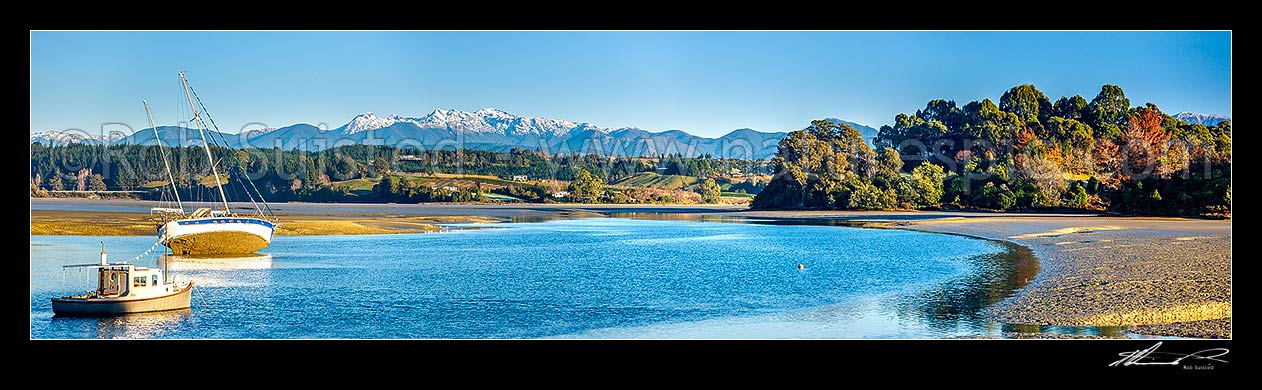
(1151, 357)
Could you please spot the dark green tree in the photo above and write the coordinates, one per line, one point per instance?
(1030, 104)
(984, 121)
(380, 167)
(55, 183)
(922, 132)
(1079, 134)
(943, 111)
(1107, 112)
(96, 183)
(1070, 108)
(1080, 196)
(390, 188)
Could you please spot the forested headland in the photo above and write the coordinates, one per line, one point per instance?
(1025, 153)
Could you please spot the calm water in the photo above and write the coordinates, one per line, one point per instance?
(584, 278)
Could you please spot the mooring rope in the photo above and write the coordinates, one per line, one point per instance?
(200, 295)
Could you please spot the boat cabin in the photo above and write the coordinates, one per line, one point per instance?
(124, 288)
(127, 280)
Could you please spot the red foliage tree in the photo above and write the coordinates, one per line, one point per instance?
(1144, 141)
(1106, 157)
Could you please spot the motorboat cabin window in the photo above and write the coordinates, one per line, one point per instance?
(155, 280)
(139, 281)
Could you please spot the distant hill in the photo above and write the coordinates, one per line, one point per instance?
(1208, 120)
(488, 129)
(180, 136)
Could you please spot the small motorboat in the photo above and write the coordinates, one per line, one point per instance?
(125, 288)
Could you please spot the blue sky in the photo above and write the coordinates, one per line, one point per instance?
(706, 83)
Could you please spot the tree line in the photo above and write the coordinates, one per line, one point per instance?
(1024, 153)
(285, 175)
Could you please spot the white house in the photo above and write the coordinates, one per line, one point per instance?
(519, 178)
(561, 194)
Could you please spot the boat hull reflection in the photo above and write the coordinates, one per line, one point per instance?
(190, 263)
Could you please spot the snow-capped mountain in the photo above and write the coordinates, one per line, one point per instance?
(494, 129)
(1208, 120)
(487, 120)
(367, 121)
(487, 129)
(63, 137)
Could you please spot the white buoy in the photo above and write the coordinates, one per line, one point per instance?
(103, 253)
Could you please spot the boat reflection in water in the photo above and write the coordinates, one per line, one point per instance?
(192, 263)
(149, 325)
(142, 325)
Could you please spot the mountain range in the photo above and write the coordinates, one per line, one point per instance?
(1209, 120)
(487, 129)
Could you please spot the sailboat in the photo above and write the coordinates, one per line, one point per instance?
(206, 231)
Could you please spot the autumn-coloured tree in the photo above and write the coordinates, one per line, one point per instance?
(1078, 160)
(1107, 163)
(1175, 160)
(962, 158)
(1144, 141)
(1024, 137)
(1146, 125)
(1054, 155)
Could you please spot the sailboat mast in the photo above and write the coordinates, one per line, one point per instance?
(198, 121)
(158, 139)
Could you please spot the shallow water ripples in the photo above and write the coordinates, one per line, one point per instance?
(603, 277)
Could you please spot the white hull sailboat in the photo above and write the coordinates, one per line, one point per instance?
(216, 235)
(206, 231)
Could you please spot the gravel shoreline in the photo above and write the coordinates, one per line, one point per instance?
(1162, 276)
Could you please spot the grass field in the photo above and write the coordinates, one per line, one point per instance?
(653, 180)
(364, 185)
(469, 182)
(356, 186)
